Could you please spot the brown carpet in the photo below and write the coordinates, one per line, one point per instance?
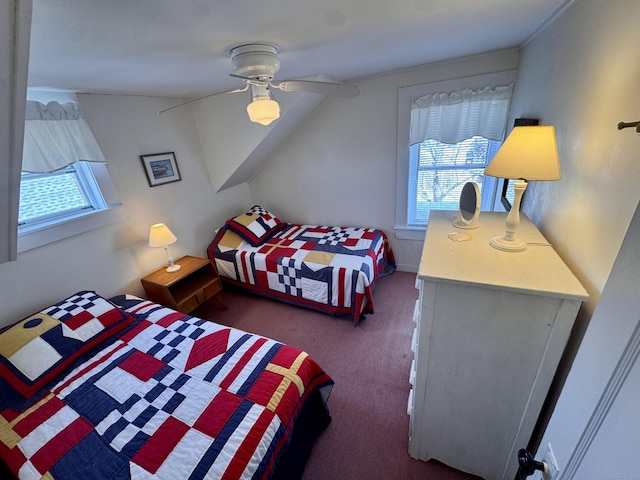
(368, 435)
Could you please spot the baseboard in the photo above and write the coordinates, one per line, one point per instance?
(407, 268)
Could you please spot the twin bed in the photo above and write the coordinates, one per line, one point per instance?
(121, 388)
(331, 269)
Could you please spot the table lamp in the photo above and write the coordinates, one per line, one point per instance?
(528, 153)
(161, 236)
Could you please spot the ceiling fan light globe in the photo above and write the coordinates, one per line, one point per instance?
(263, 111)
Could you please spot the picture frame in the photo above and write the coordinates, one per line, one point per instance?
(160, 168)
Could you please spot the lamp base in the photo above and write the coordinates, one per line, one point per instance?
(508, 242)
(173, 268)
(505, 245)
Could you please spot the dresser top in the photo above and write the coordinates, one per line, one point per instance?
(474, 262)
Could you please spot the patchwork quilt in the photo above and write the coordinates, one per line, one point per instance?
(173, 397)
(332, 269)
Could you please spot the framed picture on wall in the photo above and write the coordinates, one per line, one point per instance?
(161, 168)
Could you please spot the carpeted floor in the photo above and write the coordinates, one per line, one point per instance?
(368, 435)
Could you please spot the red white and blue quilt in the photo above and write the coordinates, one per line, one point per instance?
(173, 397)
(332, 269)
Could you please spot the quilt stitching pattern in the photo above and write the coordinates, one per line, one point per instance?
(332, 269)
(289, 276)
(335, 237)
(168, 341)
(134, 421)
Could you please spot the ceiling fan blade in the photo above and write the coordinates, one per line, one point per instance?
(243, 89)
(327, 88)
(239, 76)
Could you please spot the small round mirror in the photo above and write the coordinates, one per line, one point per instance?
(469, 209)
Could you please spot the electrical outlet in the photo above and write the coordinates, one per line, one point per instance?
(552, 470)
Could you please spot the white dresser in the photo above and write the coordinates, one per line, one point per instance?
(491, 327)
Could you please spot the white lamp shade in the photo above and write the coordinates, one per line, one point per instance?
(263, 110)
(160, 236)
(529, 153)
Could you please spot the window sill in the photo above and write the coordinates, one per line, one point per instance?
(75, 226)
(405, 232)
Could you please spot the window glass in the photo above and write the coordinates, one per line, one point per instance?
(68, 202)
(49, 198)
(438, 171)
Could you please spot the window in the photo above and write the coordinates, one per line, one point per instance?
(438, 171)
(437, 153)
(47, 198)
(70, 201)
(60, 195)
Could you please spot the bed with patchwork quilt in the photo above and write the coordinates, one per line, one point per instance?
(121, 388)
(331, 269)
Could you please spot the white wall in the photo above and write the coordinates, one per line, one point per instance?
(581, 75)
(112, 259)
(595, 424)
(339, 167)
(15, 28)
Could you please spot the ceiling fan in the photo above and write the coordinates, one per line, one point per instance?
(256, 64)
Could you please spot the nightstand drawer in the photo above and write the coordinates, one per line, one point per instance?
(201, 296)
(188, 305)
(198, 297)
(209, 291)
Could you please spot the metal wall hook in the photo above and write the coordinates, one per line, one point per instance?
(622, 125)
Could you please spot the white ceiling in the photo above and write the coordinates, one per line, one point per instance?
(180, 47)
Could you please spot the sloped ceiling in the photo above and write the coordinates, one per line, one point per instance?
(181, 49)
(236, 149)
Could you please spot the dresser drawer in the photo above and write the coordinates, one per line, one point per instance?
(412, 373)
(410, 403)
(414, 340)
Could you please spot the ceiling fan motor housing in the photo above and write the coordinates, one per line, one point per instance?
(255, 60)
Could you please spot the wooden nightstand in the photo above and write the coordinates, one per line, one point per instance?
(195, 283)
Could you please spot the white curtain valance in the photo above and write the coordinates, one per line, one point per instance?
(55, 136)
(453, 117)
